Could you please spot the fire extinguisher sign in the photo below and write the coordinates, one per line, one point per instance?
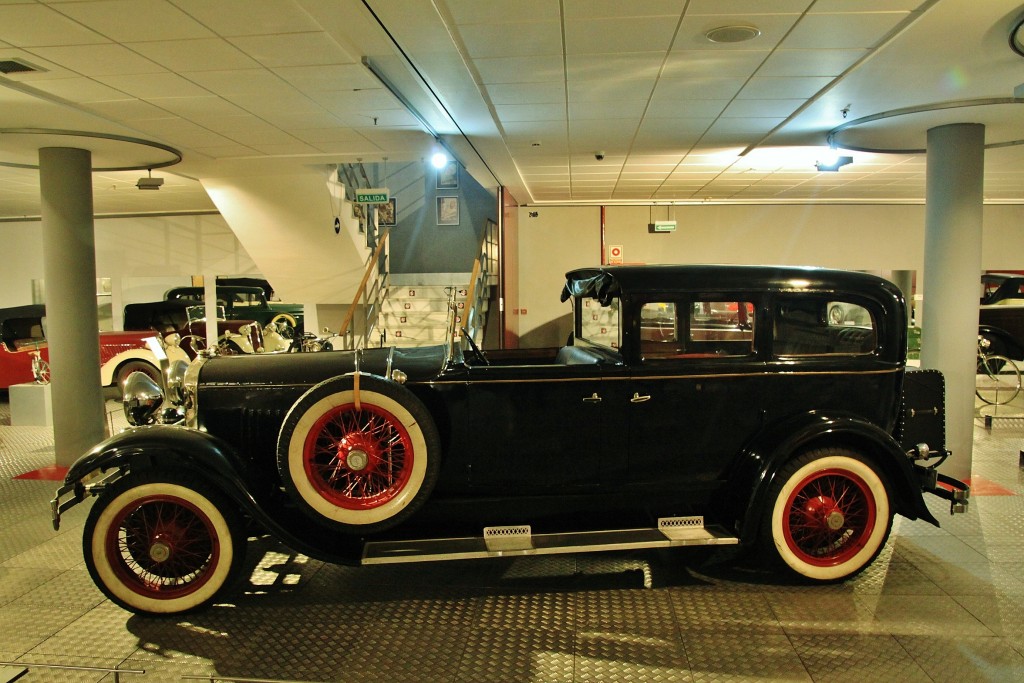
(614, 254)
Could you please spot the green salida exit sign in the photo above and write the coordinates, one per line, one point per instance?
(373, 195)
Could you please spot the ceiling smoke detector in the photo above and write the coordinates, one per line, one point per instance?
(732, 34)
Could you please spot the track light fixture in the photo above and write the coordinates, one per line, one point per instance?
(832, 161)
(149, 182)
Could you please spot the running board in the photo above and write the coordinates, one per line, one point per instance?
(510, 541)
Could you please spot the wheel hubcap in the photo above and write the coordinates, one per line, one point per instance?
(159, 551)
(835, 520)
(357, 460)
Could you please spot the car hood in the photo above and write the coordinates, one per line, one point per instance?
(419, 364)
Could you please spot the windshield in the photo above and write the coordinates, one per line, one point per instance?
(599, 324)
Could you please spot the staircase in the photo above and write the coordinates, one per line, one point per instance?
(416, 311)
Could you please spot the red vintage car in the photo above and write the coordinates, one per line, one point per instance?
(22, 331)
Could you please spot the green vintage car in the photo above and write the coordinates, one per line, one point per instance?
(246, 303)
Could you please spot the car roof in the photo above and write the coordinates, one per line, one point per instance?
(607, 282)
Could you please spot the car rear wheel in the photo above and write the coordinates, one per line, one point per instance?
(359, 457)
(829, 514)
(163, 543)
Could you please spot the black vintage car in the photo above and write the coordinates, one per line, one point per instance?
(694, 405)
(1001, 314)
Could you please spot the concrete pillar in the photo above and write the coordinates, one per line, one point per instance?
(69, 269)
(952, 265)
(904, 279)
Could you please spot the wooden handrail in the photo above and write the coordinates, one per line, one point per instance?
(362, 285)
(470, 301)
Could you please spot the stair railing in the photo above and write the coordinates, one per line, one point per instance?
(372, 291)
(485, 265)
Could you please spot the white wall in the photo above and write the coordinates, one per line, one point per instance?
(855, 237)
(143, 256)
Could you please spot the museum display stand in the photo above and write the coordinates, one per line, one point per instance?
(31, 405)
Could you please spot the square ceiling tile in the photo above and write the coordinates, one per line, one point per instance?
(521, 39)
(99, 60)
(618, 35)
(132, 20)
(204, 54)
(834, 31)
(294, 49)
(231, 18)
(33, 25)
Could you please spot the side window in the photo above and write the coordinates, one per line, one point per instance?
(600, 324)
(814, 326)
(697, 329)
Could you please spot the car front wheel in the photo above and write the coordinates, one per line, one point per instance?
(163, 543)
(359, 457)
(829, 514)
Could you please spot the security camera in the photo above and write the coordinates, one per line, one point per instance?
(599, 156)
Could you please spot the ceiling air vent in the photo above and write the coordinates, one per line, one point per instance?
(17, 66)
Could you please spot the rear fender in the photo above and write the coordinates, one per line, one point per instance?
(1003, 342)
(757, 468)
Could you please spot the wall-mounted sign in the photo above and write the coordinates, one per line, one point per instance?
(662, 226)
(615, 254)
(373, 195)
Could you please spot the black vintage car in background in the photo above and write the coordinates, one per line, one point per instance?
(1001, 314)
(693, 405)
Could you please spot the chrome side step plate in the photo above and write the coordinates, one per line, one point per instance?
(513, 541)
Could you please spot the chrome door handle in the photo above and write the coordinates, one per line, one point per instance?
(593, 398)
(637, 398)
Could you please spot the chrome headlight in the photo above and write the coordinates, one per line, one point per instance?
(176, 382)
(141, 398)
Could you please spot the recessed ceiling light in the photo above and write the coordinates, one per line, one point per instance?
(732, 34)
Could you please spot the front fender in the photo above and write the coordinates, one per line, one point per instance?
(108, 371)
(176, 447)
(150, 446)
(757, 468)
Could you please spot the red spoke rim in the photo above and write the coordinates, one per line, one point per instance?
(358, 459)
(829, 517)
(163, 547)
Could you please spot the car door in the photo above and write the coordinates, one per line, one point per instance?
(695, 392)
(540, 428)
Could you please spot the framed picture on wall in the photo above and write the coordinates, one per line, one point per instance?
(448, 176)
(447, 210)
(387, 213)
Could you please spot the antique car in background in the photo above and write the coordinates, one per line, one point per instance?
(1001, 314)
(188, 321)
(694, 405)
(246, 303)
(22, 332)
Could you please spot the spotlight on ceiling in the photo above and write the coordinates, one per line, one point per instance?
(439, 160)
(831, 161)
(149, 182)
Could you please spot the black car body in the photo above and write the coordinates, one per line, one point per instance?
(1001, 314)
(694, 405)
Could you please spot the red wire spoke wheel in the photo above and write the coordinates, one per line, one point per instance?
(829, 514)
(162, 546)
(829, 517)
(362, 463)
(359, 458)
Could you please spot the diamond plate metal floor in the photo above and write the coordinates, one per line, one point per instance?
(939, 605)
